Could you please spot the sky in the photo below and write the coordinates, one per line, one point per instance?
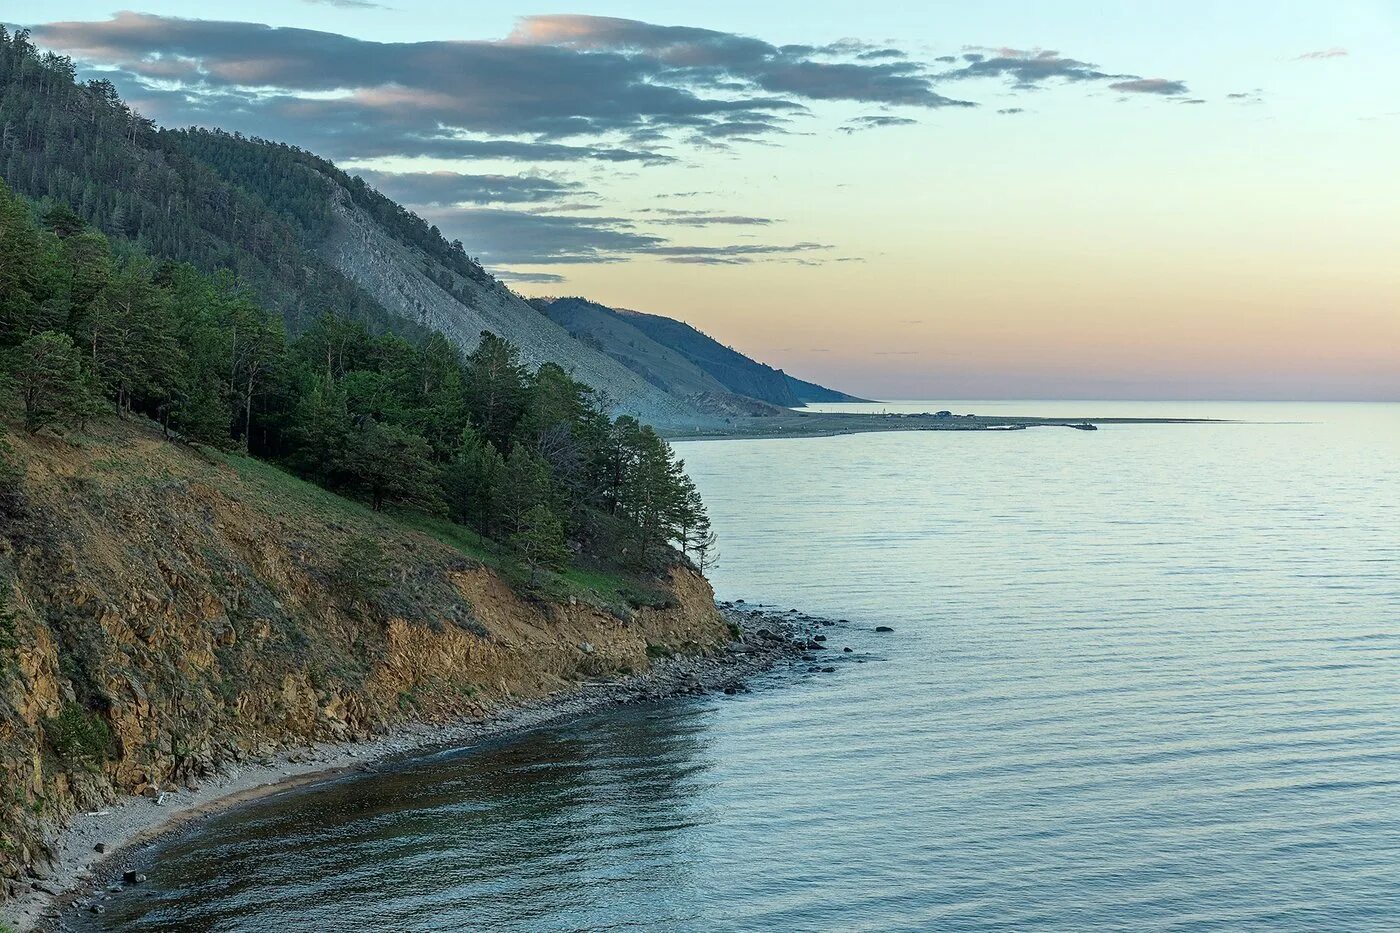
(1026, 199)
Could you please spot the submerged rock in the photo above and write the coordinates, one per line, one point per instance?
(883, 628)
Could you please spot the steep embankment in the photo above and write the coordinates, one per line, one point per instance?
(168, 613)
(406, 282)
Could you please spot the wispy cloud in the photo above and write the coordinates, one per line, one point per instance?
(1149, 86)
(350, 4)
(875, 121)
(1320, 54)
(528, 278)
(446, 188)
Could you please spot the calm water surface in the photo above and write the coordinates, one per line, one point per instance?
(1144, 678)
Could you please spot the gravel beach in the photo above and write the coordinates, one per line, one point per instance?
(92, 851)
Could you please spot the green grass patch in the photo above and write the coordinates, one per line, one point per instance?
(280, 486)
(609, 590)
(458, 537)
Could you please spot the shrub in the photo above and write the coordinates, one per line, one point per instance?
(78, 735)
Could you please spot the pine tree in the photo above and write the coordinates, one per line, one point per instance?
(524, 485)
(49, 374)
(496, 387)
(472, 481)
(539, 540)
(394, 465)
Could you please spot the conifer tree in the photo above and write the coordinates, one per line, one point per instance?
(49, 374)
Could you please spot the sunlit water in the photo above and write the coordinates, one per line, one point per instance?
(1144, 678)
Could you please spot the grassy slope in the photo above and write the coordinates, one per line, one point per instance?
(178, 609)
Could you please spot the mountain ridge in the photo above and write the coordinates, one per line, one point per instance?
(303, 235)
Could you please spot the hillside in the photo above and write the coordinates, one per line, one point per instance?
(170, 612)
(678, 357)
(304, 236)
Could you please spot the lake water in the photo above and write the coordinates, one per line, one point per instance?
(1146, 678)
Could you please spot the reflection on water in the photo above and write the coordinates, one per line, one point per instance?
(1144, 678)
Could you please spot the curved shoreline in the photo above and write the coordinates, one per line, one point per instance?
(81, 874)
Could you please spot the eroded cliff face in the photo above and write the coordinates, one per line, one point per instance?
(166, 613)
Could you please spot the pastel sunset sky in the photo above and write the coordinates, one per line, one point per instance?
(941, 200)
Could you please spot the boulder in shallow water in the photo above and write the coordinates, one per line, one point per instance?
(883, 628)
(133, 877)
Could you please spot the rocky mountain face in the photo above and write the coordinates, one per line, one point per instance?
(171, 613)
(409, 284)
(683, 360)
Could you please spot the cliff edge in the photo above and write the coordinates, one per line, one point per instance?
(168, 611)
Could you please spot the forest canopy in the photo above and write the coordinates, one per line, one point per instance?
(530, 459)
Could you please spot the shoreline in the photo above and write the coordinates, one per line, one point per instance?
(836, 424)
(81, 875)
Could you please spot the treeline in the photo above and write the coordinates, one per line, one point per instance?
(531, 459)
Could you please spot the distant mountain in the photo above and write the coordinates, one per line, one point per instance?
(309, 239)
(681, 359)
(807, 392)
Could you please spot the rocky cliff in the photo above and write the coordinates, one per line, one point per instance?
(410, 284)
(168, 611)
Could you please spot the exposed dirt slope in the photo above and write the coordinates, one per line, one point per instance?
(171, 612)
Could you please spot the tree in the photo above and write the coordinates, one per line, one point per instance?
(539, 540)
(524, 485)
(392, 464)
(472, 481)
(496, 387)
(50, 378)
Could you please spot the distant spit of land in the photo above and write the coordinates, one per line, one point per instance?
(826, 424)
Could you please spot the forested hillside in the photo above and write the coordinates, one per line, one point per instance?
(304, 237)
(81, 146)
(530, 458)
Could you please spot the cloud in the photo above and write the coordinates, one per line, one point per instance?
(875, 121)
(1026, 69)
(1319, 55)
(709, 58)
(1032, 69)
(1011, 110)
(350, 4)
(733, 255)
(511, 237)
(554, 77)
(684, 218)
(1149, 86)
(529, 278)
(562, 87)
(559, 89)
(545, 237)
(446, 188)
(1246, 97)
